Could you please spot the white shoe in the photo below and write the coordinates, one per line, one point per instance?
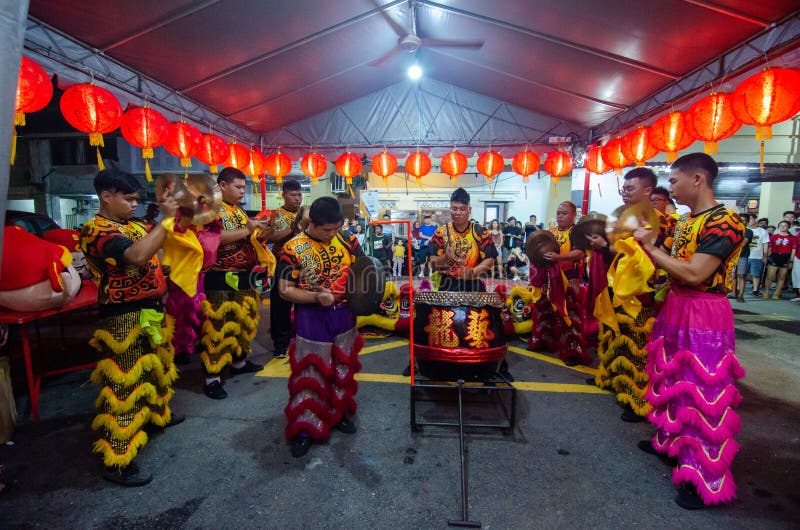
(795, 299)
(420, 275)
(516, 278)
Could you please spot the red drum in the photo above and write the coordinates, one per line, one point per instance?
(458, 335)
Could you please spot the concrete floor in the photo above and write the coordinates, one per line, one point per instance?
(570, 463)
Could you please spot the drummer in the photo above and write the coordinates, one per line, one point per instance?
(622, 348)
(462, 250)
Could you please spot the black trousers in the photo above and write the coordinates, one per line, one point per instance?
(280, 321)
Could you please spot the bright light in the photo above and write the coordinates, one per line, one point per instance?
(414, 72)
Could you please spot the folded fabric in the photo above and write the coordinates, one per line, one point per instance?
(629, 275)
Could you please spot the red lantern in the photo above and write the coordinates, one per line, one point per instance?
(766, 98)
(278, 165)
(238, 157)
(314, 165)
(92, 110)
(636, 146)
(183, 141)
(769, 97)
(34, 90)
(256, 165)
(713, 120)
(145, 128)
(418, 164)
(348, 165)
(558, 164)
(383, 165)
(670, 134)
(525, 163)
(213, 150)
(594, 162)
(613, 156)
(454, 164)
(490, 164)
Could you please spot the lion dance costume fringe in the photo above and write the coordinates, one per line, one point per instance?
(324, 362)
(231, 322)
(623, 357)
(136, 377)
(692, 370)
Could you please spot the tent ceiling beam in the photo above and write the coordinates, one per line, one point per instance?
(67, 56)
(551, 38)
(711, 6)
(767, 45)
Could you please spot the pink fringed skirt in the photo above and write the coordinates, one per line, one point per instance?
(692, 368)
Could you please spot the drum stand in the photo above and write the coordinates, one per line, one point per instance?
(492, 387)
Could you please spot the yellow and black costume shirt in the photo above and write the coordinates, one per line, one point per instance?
(237, 255)
(310, 263)
(473, 245)
(104, 242)
(716, 231)
(282, 219)
(571, 269)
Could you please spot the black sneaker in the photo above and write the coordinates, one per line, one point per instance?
(630, 416)
(346, 426)
(647, 447)
(407, 371)
(182, 358)
(175, 419)
(756, 293)
(300, 446)
(572, 361)
(129, 476)
(279, 354)
(214, 390)
(688, 498)
(591, 381)
(248, 368)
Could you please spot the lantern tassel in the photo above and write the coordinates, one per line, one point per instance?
(314, 180)
(764, 132)
(761, 165)
(710, 148)
(672, 156)
(100, 165)
(618, 171)
(186, 162)
(263, 183)
(526, 191)
(186, 175)
(96, 139)
(19, 118)
(213, 169)
(13, 145)
(350, 188)
(147, 172)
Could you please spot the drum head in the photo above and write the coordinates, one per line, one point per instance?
(365, 286)
(539, 243)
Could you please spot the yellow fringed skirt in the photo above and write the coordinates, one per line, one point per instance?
(136, 378)
(623, 358)
(231, 322)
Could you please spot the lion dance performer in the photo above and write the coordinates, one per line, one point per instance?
(625, 329)
(312, 274)
(692, 352)
(231, 305)
(556, 314)
(133, 335)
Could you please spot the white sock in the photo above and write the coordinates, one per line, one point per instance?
(238, 364)
(210, 380)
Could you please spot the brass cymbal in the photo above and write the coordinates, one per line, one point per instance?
(593, 224)
(198, 197)
(624, 221)
(539, 243)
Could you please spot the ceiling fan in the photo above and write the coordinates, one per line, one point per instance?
(410, 41)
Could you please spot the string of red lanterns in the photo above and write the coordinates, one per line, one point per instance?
(762, 100)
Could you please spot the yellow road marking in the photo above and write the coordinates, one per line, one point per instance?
(384, 346)
(552, 360)
(279, 368)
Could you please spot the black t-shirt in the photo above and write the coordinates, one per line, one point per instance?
(529, 229)
(380, 246)
(748, 235)
(511, 242)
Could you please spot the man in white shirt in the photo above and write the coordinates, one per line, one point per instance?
(758, 254)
